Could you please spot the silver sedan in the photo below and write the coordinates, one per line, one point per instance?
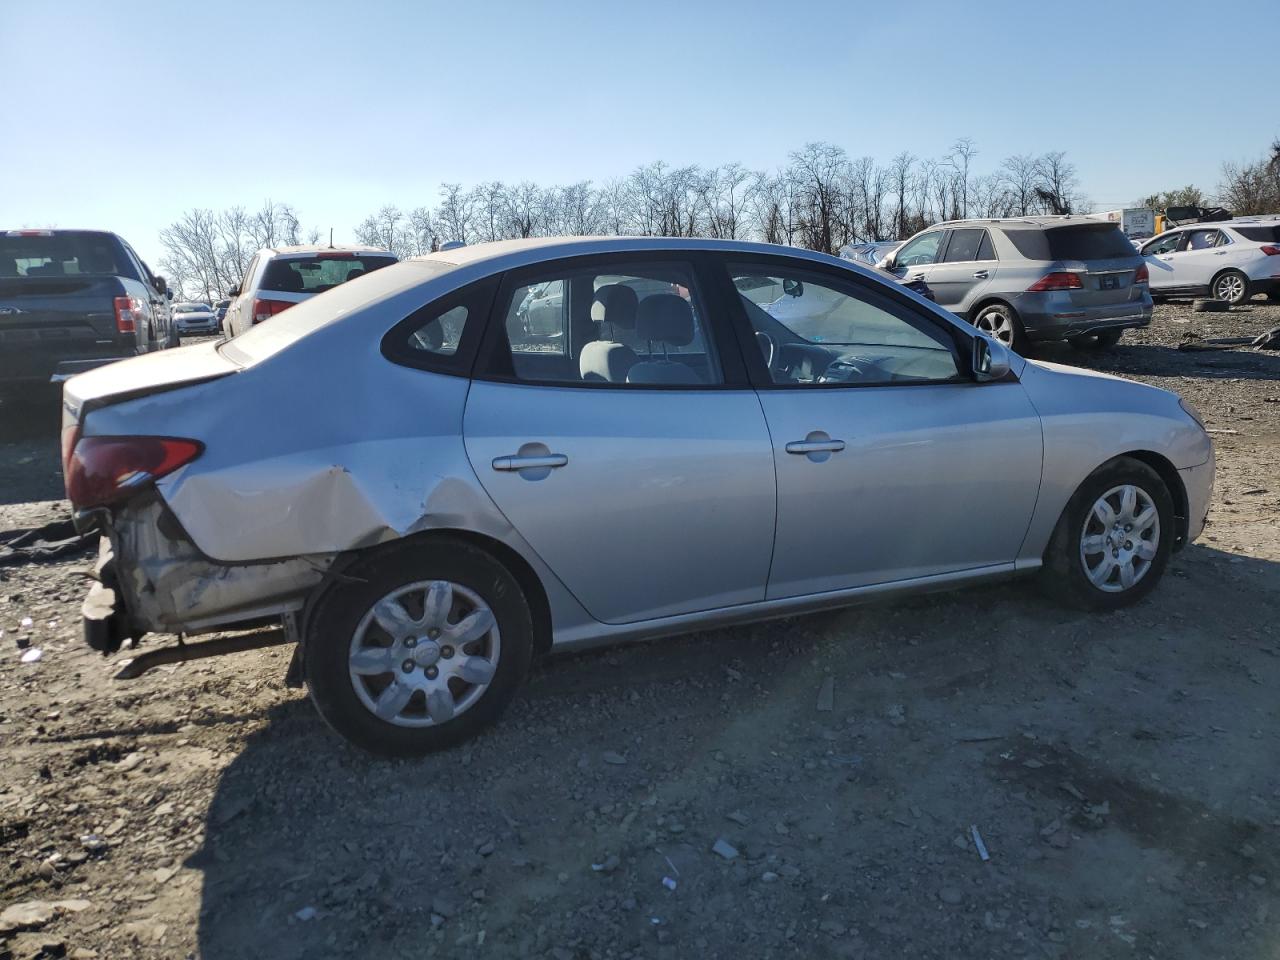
(427, 491)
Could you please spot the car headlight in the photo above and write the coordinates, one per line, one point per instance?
(1192, 412)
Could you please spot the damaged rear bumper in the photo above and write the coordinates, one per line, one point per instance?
(151, 578)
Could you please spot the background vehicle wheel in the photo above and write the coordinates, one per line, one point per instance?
(423, 652)
(1231, 286)
(1097, 341)
(1113, 540)
(1210, 306)
(1002, 323)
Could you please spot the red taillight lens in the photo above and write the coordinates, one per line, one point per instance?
(1271, 251)
(1059, 280)
(70, 437)
(128, 313)
(266, 309)
(101, 470)
(1142, 275)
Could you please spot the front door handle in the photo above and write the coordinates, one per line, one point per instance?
(980, 274)
(815, 446)
(547, 462)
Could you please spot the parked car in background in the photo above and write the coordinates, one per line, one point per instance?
(194, 318)
(220, 311)
(869, 254)
(278, 278)
(75, 299)
(1025, 279)
(433, 500)
(1231, 260)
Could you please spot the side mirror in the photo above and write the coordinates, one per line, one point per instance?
(792, 288)
(160, 284)
(233, 292)
(168, 294)
(888, 263)
(990, 359)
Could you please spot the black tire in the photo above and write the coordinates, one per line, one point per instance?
(1210, 306)
(1230, 286)
(1064, 576)
(1097, 341)
(1003, 318)
(339, 611)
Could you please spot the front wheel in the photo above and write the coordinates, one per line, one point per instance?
(1096, 341)
(419, 648)
(1113, 540)
(1231, 286)
(1001, 321)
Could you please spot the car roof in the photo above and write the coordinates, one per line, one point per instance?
(1044, 222)
(534, 249)
(303, 249)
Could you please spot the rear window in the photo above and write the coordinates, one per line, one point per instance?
(320, 272)
(1259, 234)
(61, 255)
(1087, 242)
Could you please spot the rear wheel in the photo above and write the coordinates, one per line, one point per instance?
(419, 648)
(1001, 321)
(1231, 286)
(1113, 540)
(1097, 341)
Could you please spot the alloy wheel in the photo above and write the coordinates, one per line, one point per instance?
(1230, 287)
(1120, 538)
(424, 653)
(997, 323)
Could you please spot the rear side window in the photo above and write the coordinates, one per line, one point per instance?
(1259, 234)
(964, 245)
(1104, 241)
(986, 251)
(442, 335)
(319, 273)
(62, 255)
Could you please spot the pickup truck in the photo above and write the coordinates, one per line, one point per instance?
(71, 300)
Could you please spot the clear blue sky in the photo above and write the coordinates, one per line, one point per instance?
(121, 115)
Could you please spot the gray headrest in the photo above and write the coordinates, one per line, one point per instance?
(615, 304)
(666, 318)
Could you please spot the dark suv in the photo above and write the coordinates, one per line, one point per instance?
(1067, 278)
(75, 299)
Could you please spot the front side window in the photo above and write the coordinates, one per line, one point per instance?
(919, 252)
(822, 331)
(1167, 245)
(628, 324)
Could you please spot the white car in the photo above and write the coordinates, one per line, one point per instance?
(194, 318)
(1231, 260)
(278, 278)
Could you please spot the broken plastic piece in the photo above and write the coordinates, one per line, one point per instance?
(977, 842)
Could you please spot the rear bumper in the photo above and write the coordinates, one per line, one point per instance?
(40, 366)
(1075, 323)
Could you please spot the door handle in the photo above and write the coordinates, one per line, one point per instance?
(815, 446)
(1162, 258)
(530, 463)
(981, 274)
(1219, 253)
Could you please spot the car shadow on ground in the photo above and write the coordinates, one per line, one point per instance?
(1144, 359)
(29, 458)
(312, 848)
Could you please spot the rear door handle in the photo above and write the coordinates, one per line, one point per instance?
(815, 446)
(530, 463)
(980, 274)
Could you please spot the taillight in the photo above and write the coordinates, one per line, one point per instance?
(1058, 280)
(266, 309)
(1271, 251)
(128, 313)
(70, 436)
(102, 470)
(1142, 275)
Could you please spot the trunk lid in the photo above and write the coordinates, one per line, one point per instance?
(142, 376)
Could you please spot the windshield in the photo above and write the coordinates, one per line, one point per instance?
(265, 339)
(190, 308)
(60, 255)
(321, 272)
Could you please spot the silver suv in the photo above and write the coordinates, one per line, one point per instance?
(1032, 278)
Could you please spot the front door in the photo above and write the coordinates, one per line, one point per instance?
(1162, 256)
(604, 427)
(915, 259)
(892, 463)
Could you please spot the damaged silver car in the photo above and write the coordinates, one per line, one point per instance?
(424, 490)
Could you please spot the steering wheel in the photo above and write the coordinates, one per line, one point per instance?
(845, 370)
(768, 347)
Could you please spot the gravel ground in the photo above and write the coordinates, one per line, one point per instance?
(693, 797)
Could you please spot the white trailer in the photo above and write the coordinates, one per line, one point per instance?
(1135, 222)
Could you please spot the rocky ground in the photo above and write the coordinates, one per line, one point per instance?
(824, 786)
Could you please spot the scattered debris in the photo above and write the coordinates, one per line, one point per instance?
(616, 759)
(307, 913)
(724, 848)
(669, 883)
(826, 695)
(608, 865)
(977, 842)
(32, 655)
(1071, 788)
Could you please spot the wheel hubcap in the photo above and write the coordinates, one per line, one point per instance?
(997, 324)
(1120, 538)
(424, 653)
(1230, 288)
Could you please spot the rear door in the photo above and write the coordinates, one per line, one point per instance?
(967, 268)
(648, 495)
(1201, 257)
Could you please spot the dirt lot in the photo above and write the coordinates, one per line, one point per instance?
(1121, 770)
